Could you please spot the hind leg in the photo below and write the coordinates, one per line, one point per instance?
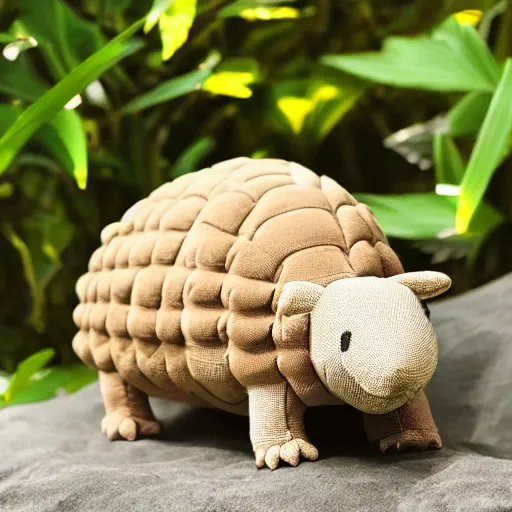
(128, 414)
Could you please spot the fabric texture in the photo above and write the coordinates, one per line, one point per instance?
(54, 458)
(182, 294)
(181, 298)
(393, 352)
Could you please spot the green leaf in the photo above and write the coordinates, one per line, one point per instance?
(453, 58)
(232, 77)
(7, 38)
(19, 80)
(65, 38)
(26, 369)
(48, 383)
(333, 94)
(467, 115)
(448, 162)
(169, 90)
(189, 160)
(312, 107)
(8, 114)
(156, 11)
(491, 144)
(36, 315)
(174, 18)
(65, 138)
(50, 104)
(411, 216)
(425, 215)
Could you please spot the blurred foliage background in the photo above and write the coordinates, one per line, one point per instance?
(408, 104)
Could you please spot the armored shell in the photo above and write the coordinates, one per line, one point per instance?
(181, 297)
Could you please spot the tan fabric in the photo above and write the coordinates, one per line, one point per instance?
(425, 284)
(277, 426)
(411, 425)
(181, 298)
(393, 348)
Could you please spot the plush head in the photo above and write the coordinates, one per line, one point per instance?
(371, 340)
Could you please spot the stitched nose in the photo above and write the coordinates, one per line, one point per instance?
(407, 376)
(393, 383)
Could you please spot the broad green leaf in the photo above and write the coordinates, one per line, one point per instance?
(411, 216)
(448, 162)
(26, 369)
(425, 216)
(491, 144)
(65, 38)
(467, 115)
(48, 383)
(65, 137)
(52, 102)
(36, 315)
(189, 160)
(452, 58)
(7, 38)
(20, 81)
(232, 77)
(175, 18)
(8, 114)
(169, 90)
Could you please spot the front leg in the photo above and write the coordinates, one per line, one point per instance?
(128, 413)
(277, 426)
(410, 427)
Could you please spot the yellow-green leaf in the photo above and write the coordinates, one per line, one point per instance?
(65, 137)
(175, 18)
(469, 16)
(487, 153)
(36, 315)
(52, 102)
(232, 77)
(157, 9)
(295, 110)
(24, 372)
(254, 11)
(269, 13)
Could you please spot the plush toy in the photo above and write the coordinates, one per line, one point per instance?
(259, 288)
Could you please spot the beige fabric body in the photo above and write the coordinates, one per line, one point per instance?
(181, 297)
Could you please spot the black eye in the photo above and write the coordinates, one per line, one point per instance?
(345, 341)
(425, 308)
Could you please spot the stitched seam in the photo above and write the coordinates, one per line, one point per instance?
(399, 422)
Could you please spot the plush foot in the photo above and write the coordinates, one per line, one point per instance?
(121, 424)
(289, 451)
(411, 441)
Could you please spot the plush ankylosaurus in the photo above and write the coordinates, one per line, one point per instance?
(260, 288)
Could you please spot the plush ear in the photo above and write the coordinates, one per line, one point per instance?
(299, 297)
(424, 284)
